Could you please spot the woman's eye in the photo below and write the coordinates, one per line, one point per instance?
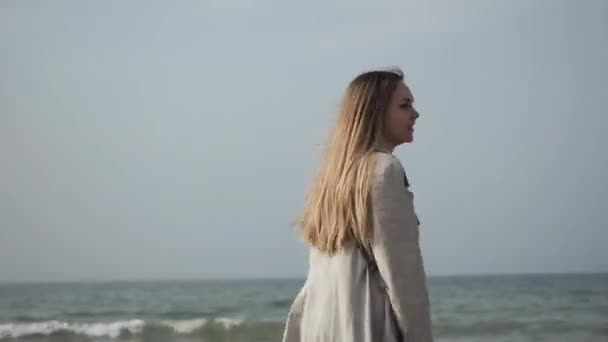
(406, 106)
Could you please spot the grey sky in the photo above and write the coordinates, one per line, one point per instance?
(176, 139)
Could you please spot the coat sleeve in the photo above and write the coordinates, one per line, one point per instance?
(396, 249)
(292, 332)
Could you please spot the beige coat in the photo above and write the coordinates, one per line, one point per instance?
(347, 299)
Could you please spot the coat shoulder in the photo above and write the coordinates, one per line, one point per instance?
(387, 166)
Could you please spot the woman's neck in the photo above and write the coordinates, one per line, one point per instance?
(385, 147)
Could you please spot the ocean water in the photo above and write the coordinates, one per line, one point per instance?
(473, 308)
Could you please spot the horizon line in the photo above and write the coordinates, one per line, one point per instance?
(274, 278)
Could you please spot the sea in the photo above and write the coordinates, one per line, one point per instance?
(555, 307)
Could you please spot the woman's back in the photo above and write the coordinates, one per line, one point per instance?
(341, 302)
(345, 297)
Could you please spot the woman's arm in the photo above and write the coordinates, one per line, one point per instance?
(292, 330)
(396, 249)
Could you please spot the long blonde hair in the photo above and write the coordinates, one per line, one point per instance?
(338, 205)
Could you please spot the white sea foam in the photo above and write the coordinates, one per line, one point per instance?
(185, 326)
(109, 329)
(228, 323)
(113, 330)
(15, 330)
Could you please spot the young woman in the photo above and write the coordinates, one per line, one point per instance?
(366, 279)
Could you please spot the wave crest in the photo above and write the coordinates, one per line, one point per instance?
(112, 329)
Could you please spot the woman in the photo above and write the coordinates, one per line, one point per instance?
(366, 279)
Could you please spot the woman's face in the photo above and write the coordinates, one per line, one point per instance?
(401, 116)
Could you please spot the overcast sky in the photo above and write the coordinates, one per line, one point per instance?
(176, 139)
